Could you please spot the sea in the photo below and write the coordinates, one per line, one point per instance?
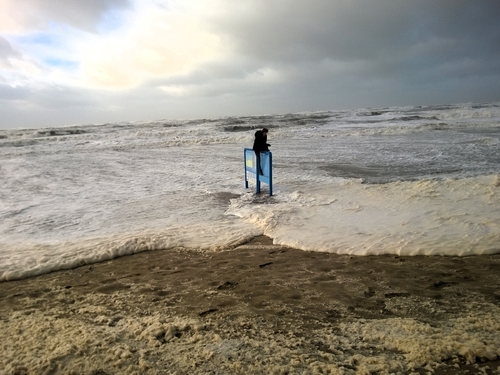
(415, 180)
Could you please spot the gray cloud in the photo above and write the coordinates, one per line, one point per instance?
(9, 93)
(326, 55)
(6, 49)
(53, 105)
(358, 53)
(84, 15)
(6, 53)
(377, 32)
(51, 97)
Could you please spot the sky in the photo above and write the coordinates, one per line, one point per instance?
(65, 62)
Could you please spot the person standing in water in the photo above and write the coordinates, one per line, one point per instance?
(260, 144)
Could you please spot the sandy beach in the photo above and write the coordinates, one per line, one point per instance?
(257, 309)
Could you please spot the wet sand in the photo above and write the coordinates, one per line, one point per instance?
(258, 309)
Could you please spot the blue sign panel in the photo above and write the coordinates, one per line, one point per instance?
(259, 168)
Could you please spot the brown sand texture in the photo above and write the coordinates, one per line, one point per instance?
(257, 309)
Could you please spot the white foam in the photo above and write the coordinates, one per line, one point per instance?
(449, 217)
(80, 194)
(27, 260)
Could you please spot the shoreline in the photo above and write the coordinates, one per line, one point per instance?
(259, 308)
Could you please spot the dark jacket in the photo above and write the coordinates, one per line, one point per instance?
(260, 143)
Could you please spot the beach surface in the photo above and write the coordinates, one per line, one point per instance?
(257, 309)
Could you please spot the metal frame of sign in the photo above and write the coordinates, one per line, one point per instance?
(252, 169)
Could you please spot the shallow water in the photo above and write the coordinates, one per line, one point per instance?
(412, 180)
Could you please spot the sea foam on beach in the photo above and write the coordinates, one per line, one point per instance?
(406, 180)
(421, 342)
(64, 330)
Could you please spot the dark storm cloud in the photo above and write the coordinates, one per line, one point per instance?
(374, 31)
(320, 46)
(370, 51)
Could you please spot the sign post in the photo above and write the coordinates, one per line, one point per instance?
(262, 172)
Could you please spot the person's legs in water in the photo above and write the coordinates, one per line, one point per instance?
(259, 167)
